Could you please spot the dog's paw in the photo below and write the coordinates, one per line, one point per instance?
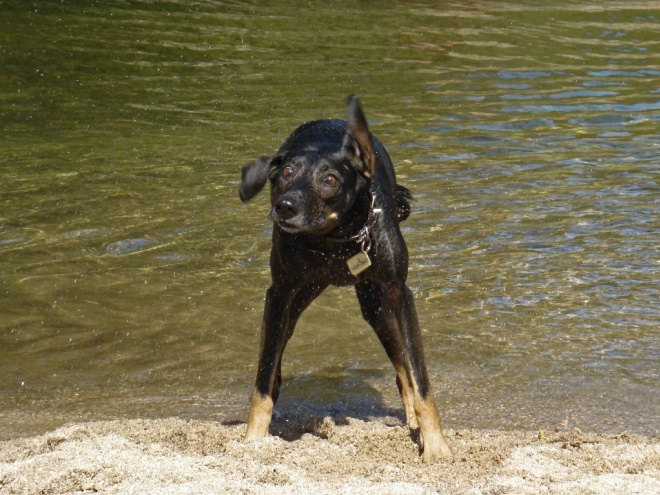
(252, 435)
(436, 451)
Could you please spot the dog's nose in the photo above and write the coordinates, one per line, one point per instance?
(286, 208)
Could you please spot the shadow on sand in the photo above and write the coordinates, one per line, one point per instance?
(308, 401)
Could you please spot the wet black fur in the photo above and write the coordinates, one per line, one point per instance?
(310, 253)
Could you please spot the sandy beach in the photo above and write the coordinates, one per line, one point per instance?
(321, 456)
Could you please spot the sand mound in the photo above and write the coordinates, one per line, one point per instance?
(321, 456)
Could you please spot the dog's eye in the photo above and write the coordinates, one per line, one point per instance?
(330, 180)
(287, 172)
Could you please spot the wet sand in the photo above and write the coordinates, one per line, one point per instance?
(321, 456)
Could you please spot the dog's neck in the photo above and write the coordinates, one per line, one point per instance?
(364, 216)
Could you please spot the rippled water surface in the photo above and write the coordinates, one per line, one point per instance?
(132, 278)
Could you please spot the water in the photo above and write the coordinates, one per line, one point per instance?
(132, 278)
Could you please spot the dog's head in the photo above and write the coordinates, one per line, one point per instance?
(317, 174)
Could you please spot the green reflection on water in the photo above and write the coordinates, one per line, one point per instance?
(133, 278)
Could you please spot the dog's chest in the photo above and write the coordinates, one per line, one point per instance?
(338, 266)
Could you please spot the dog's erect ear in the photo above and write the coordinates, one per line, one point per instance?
(253, 177)
(358, 142)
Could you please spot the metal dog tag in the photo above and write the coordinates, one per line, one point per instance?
(358, 263)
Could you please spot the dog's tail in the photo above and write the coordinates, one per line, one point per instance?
(402, 198)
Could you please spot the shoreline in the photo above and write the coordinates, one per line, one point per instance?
(321, 456)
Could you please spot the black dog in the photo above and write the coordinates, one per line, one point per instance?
(336, 210)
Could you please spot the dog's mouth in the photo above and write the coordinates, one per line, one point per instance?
(292, 227)
(301, 224)
(287, 227)
(285, 224)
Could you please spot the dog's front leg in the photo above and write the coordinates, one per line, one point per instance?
(433, 441)
(390, 309)
(283, 308)
(275, 331)
(379, 314)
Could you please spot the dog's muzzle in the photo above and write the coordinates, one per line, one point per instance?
(285, 209)
(286, 214)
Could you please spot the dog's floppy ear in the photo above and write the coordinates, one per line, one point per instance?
(253, 177)
(358, 142)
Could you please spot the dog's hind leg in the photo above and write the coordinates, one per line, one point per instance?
(283, 308)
